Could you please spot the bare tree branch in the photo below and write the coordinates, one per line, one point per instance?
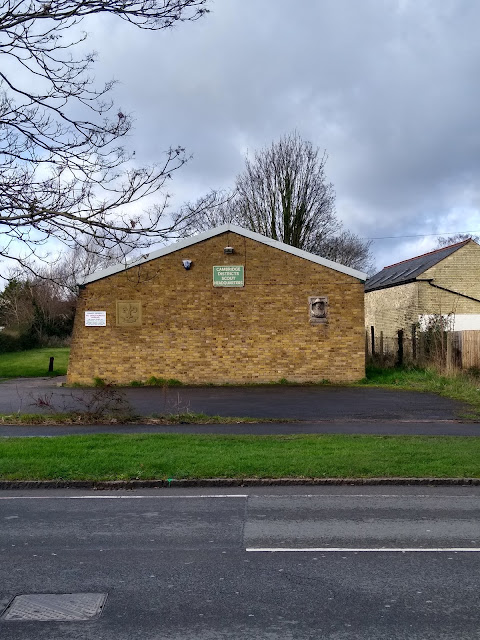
(445, 241)
(62, 176)
(346, 248)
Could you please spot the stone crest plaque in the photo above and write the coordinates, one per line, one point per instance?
(318, 309)
(129, 313)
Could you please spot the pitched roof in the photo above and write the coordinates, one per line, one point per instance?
(408, 270)
(188, 242)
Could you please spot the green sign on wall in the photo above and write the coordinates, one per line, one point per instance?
(228, 276)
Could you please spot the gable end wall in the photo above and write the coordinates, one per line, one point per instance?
(460, 272)
(199, 334)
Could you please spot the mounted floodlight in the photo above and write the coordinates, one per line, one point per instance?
(187, 264)
(228, 250)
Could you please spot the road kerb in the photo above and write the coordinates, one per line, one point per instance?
(231, 482)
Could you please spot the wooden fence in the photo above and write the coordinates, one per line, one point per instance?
(467, 346)
(453, 349)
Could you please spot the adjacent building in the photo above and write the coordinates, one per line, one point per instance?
(410, 295)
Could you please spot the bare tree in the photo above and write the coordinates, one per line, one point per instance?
(63, 171)
(71, 268)
(39, 301)
(283, 193)
(445, 241)
(347, 249)
(209, 211)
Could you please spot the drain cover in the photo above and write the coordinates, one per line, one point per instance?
(55, 606)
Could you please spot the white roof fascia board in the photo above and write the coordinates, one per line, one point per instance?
(206, 235)
(158, 253)
(297, 252)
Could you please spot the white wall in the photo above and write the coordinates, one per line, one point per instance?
(454, 322)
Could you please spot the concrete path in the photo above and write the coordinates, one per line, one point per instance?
(323, 403)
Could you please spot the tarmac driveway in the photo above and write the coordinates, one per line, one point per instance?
(297, 403)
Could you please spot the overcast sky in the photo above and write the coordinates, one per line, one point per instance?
(390, 88)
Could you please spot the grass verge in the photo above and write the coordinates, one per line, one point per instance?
(165, 456)
(34, 363)
(457, 386)
(87, 418)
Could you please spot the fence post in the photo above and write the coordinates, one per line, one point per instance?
(421, 348)
(400, 348)
(449, 363)
(457, 349)
(372, 331)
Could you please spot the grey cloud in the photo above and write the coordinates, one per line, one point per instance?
(388, 88)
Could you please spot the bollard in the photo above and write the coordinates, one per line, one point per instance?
(50, 365)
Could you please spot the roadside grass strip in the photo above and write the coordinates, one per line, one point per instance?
(85, 418)
(34, 363)
(171, 456)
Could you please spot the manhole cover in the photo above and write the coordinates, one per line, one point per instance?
(55, 606)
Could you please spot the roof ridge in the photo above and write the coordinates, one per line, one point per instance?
(206, 235)
(450, 246)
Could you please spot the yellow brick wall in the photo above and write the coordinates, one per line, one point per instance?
(199, 334)
(389, 310)
(460, 272)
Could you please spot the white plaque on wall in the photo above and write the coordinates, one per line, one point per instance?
(95, 318)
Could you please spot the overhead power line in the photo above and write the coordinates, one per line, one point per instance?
(422, 235)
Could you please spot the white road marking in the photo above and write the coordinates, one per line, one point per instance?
(219, 495)
(364, 550)
(239, 495)
(360, 495)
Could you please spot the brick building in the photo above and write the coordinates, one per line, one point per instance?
(408, 295)
(226, 306)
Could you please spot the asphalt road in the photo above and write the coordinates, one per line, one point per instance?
(358, 427)
(271, 564)
(283, 402)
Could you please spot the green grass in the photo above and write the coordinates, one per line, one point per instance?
(458, 386)
(163, 456)
(33, 363)
(77, 417)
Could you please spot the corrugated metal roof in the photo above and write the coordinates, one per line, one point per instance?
(408, 270)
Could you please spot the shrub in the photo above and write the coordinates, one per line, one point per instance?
(16, 342)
